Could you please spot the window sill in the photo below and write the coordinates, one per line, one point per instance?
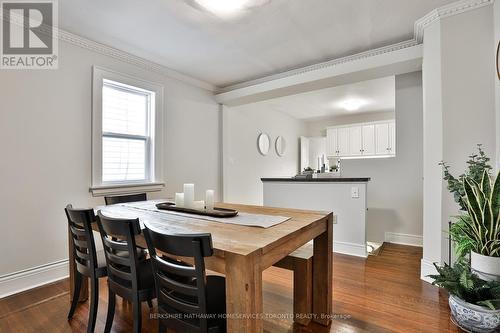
(102, 190)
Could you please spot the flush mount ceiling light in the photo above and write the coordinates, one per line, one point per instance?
(229, 8)
(352, 104)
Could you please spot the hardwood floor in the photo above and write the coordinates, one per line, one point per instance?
(380, 294)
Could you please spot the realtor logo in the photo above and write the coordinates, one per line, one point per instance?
(28, 34)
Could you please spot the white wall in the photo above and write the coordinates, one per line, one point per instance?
(395, 190)
(459, 111)
(497, 79)
(45, 139)
(243, 164)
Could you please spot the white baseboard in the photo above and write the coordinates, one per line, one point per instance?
(14, 283)
(426, 268)
(352, 249)
(403, 239)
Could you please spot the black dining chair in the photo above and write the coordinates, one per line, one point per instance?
(129, 276)
(88, 263)
(195, 306)
(113, 200)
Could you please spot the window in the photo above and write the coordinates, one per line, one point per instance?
(126, 133)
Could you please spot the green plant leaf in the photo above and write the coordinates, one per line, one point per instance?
(492, 304)
(485, 183)
(495, 198)
(466, 281)
(472, 199)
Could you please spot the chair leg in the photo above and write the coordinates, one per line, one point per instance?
(76, 294)
(94, 302)
(137, 315)
(111, 311)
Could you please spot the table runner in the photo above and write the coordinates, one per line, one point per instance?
(146, 209)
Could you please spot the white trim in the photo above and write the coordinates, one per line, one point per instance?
(100, 191)
(396, 60)
(454, 8)
(404, 239)
(322, 65)
(120, 55)
(352, 249)
(17, 282)
(439, 13)
(427, 268)
(155, 165)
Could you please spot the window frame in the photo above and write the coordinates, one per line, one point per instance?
(154, 139)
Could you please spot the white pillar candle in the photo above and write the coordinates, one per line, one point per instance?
(188, 195)
(179, 199)
(209, 199)
(199, 205)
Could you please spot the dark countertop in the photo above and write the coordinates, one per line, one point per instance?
(318, 180)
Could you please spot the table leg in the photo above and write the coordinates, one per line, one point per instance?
(322, 274)
(302, 291)
(243, 294)
(84, 291)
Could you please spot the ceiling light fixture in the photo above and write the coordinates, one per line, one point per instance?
(229, 8)
(352, 104)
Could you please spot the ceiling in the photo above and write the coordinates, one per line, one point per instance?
(279, 36)
(377, 96)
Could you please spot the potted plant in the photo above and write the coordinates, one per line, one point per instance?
(476, 165)
(477, 229)
(482, 225)
(474, 303)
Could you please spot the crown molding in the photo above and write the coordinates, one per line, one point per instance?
(322, 65)
(129, 58)
(454, 8)
(437, 14)
(115, 53)
(148, 65)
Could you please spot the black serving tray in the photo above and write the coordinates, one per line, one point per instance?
(216, 212)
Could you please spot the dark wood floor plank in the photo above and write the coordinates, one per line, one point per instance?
(381, 294)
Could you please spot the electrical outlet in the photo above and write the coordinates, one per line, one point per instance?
(355, 192)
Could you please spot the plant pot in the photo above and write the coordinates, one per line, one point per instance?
(472, 317)
(488, 268)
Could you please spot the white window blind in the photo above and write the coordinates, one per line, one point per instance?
(126, 133)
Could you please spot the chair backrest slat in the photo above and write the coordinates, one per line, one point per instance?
(120, 273)
(176, 294)
(82, 244)
(123, 267)
(118, 260)
(115, 245)
(78, 231)
(80, 226)
(172, 268)
(171, 284)
(82, 255)
(177, 304)
(113, 200)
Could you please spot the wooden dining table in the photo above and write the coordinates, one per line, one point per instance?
(242, 253)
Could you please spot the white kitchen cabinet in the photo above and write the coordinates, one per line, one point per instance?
(362, 140)
(382, 139)
(368, 136)
(332, 142)
(343, 141)
(392, 138)
(355, 141)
